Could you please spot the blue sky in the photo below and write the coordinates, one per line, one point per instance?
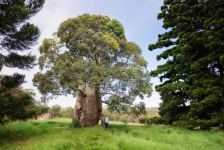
(139, 18)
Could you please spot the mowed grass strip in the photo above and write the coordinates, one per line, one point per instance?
(56, 134)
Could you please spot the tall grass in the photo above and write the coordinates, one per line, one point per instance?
(58, 135)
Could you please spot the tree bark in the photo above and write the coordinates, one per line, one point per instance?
(88, 107)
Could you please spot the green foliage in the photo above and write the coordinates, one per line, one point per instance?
(15, 102)
(18, 104)
(118, 117)
(58, 134)
(131, 117)
(16, 35)
(93, 50)
(67, 112)
(41, 109)
(55, 111)
(193, 76)
(149, 121)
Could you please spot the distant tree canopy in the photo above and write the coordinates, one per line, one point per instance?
(55, 111)
(193, 76)
(67, 112)
(90, 54)
(16, 35)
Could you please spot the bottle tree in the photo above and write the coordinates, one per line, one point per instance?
(90, 57)
(192, 90)
(16, 35)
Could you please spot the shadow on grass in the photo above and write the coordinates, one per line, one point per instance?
(58, 124)
(119, 128)
(20, 131)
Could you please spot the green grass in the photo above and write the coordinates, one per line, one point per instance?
(56, 134)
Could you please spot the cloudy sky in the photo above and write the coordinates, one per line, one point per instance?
(139, 18)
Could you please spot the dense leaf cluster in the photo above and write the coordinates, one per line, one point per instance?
(18, 104)
(192, 88)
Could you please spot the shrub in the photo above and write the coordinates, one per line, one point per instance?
(18, 104)
(154, 120)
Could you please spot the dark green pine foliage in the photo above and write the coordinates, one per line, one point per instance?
(16, 35)
(192, 88)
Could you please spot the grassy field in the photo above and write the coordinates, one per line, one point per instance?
(57, 135)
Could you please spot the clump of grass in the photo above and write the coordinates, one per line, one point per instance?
(75, 124)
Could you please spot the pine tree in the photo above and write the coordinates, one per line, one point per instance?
(16, 35)
(193, 76)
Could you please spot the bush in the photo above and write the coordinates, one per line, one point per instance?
(154, 120)
(183, 124)
(197, 124)
(17, 104)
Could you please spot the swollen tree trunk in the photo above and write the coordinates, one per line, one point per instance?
(88, 107)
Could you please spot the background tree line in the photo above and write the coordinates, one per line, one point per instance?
(57, 111)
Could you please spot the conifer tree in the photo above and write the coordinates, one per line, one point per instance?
(16, 35)
(192, 88)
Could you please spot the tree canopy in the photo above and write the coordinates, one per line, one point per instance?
(192, 88)
(93, 50)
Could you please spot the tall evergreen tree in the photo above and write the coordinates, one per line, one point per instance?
(192, 88)
(16, 35)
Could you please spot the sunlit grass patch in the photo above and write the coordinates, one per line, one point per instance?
(57, 134)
